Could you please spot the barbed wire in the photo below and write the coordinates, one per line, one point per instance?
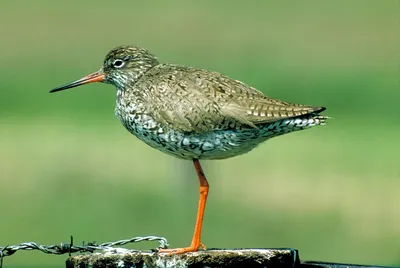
(84, 248)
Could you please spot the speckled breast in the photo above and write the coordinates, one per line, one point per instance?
(213, 145)
(218, 144)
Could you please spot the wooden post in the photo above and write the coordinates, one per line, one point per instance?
(246, 258)
(208, 258)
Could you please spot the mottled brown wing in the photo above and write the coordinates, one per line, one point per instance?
(195, 100)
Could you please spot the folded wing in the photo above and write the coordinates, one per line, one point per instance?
(196, 100)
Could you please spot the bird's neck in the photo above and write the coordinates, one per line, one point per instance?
(126, 79)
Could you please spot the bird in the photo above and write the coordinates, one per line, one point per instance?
(193, 113)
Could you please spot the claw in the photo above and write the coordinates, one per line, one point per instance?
(173, 251)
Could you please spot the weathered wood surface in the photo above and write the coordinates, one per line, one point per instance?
(121, 258)
(208, 258)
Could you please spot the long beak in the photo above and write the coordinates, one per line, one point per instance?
(91, 78)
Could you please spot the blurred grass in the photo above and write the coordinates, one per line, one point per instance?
(68, 166)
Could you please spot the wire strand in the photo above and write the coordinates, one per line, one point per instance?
(85, 247)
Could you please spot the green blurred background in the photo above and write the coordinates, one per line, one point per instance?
(69, 167)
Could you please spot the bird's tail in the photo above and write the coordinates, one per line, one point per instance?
(294, 124)
(316, 119)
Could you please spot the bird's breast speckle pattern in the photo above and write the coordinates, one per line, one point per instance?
(218, 144)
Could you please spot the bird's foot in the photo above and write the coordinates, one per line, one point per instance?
(191, 248)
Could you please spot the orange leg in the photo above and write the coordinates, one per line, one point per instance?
(196, 244)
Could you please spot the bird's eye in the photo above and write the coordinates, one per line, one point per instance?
(118, 63)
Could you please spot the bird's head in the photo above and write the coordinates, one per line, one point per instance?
(122, 66)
